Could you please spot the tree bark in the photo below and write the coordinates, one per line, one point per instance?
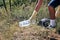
(10, 4)
(4, 4)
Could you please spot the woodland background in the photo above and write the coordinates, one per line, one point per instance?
(14, 11)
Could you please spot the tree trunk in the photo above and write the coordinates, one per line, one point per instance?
(10, 4)
(4, 4)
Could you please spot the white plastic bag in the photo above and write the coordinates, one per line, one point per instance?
(24, 23)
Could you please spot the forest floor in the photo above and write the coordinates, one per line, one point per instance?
(10, 30)
(33, 32)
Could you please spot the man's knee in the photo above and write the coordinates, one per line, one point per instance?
(53, 4)
(51, 8)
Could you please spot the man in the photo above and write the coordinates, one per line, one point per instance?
(51, 7)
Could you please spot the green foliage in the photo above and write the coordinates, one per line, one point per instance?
(1, 2)
(20, 2)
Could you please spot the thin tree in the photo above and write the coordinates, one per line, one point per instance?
(10, 4)
(4, 4)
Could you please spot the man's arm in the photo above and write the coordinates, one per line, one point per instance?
(38, 5)
(36, 9)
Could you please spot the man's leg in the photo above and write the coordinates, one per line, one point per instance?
(52, 12)
(52, 15)
(51, 6)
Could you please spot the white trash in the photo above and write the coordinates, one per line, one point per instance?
(24, 23)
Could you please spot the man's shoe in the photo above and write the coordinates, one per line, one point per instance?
(44, 22)
(50, 26)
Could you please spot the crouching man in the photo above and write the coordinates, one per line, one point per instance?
(51, 7)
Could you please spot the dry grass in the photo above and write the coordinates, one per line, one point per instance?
(33, 32)
(9, 29)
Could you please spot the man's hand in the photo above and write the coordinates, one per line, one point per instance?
(33, 15)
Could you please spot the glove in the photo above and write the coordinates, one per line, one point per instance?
(33, 15)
